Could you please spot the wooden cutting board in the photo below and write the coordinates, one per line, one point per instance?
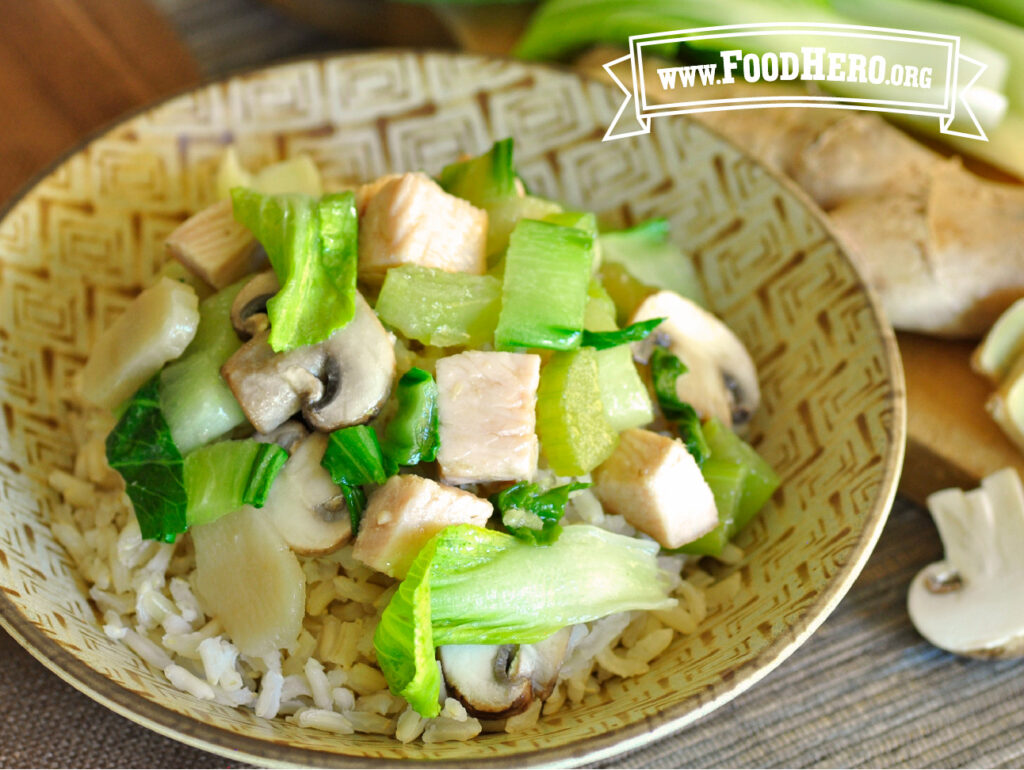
(951, 440)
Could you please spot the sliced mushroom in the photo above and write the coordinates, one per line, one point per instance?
(341, 381)
(721, 380)
(500, 681)
(967, 603)
(476, 674)
(305, 506)
(255, 374)
(357, 372)
(249, 310)
(541, 662)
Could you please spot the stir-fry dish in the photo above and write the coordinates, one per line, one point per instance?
(426, 458)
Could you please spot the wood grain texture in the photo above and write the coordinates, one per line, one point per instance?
(67, 68)
(951, 441)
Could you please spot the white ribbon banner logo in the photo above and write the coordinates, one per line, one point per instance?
(919, 73)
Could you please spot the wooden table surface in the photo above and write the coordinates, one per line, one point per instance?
(866, 690)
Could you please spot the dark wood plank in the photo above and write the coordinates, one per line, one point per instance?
(70, 66)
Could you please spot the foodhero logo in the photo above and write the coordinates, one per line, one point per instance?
(861, 68)
(813, 64)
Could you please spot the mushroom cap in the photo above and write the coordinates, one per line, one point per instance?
(500, 681)
(357, 372)
(257, 377)
(722, 379)
(341, 381)
(961, 622)
(249, 309)
(473, 674)
(967, 603)
(305, 506)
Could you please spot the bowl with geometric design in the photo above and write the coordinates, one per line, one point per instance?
(88, 235)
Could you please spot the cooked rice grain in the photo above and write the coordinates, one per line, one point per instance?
(443, 729)
(328, 679)
(410, 726)
(329, 721)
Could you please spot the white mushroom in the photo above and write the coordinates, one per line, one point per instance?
(341, 381)
(249, 309)
(499, 681)
(722, 379)
(305, 506)
(967, 603)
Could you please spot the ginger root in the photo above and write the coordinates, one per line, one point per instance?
(942, 246)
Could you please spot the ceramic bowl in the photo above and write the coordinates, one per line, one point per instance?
(88, 234)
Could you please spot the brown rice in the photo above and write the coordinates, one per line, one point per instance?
(328, 680)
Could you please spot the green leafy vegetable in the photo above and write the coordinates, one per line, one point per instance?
(471, 585)
(485, 179)
(440, 308)
(544, 293)
(194, 399)
(268, 462)
(610, 339)
(532, 515)
(761, 480)
(646, 255)
(726, 479)
(220, 478)
(312, 246)
(353, 458)
(411, 437)
(665, 370)
(355, 501)
(141, 449)
(623, 393)
(690, 431)
(488, 181)
(561, 27)
(574, 432)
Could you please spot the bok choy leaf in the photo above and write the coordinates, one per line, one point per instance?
(141, 449)
(471, 585)
(312, 246)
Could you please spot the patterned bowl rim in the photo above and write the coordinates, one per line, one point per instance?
(617, 742)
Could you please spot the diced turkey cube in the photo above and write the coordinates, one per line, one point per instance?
(655, 483)
(410, 220)
(214, 246)
(487, 412)
(365, 192)
(404, 514)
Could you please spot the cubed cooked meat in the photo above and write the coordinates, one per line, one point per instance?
(487, 408)
(404, 514)
(410, 220)
(365, 192)
(215, 247)
(655, 483)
